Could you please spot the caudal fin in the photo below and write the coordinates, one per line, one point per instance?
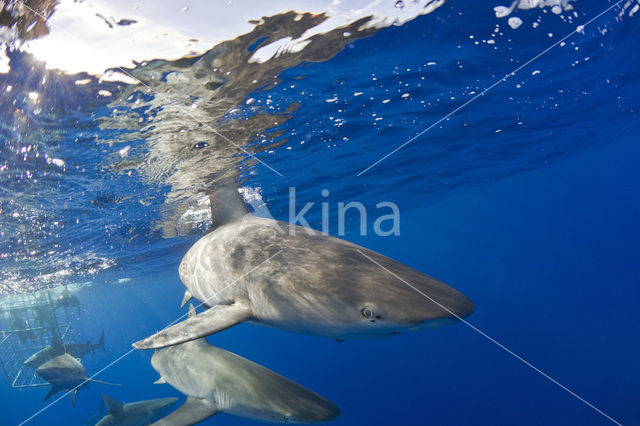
(100, 343)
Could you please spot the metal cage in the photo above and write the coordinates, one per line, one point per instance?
(28, 323)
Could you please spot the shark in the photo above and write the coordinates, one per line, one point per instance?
(67, 299)
(305, 282)
(135, 413)
(217, 381)
(65, 373)
(57, 348)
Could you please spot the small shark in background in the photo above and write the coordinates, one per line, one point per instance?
(57, 348)
(67, 299)
(217, 381)
(21, 328)
(65, 373)
(135, 413)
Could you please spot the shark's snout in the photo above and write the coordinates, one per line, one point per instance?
(324, 411)
(435, 306)
(462, 307)
(452, 314)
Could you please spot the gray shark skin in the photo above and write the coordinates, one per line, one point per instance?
(76, 350)
(139, 413)
(313, 284)
(218, 381)
(65, 373)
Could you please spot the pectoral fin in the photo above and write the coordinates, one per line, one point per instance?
(52, 391)
(211, 321)
(193, 411)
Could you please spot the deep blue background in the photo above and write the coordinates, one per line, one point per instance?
(537, 224)
(548, 256)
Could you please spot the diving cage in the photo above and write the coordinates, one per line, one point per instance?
(28, 323)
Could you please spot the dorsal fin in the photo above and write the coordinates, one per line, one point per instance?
(56, 343)
(112, 405)
(227, 205)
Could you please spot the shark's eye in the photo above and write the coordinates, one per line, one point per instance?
(367, 312)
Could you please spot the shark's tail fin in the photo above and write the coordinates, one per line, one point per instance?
(100, 344)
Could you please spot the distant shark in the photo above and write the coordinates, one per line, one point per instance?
(67, 299)
(57, 348)
(217, 381)
(65, 373)
(135, 413)
(312, 284)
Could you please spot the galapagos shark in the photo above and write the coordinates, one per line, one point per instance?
(313, 283)
(218, 381)
(65, 373)
(135, 413)
(57, 348)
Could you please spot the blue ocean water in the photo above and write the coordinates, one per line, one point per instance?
(525, 200)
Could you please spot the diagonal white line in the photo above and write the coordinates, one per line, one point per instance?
(223, 288)
(503, 79)
(74, 389)
(501, 346)
(166, 98)
(133, 350)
